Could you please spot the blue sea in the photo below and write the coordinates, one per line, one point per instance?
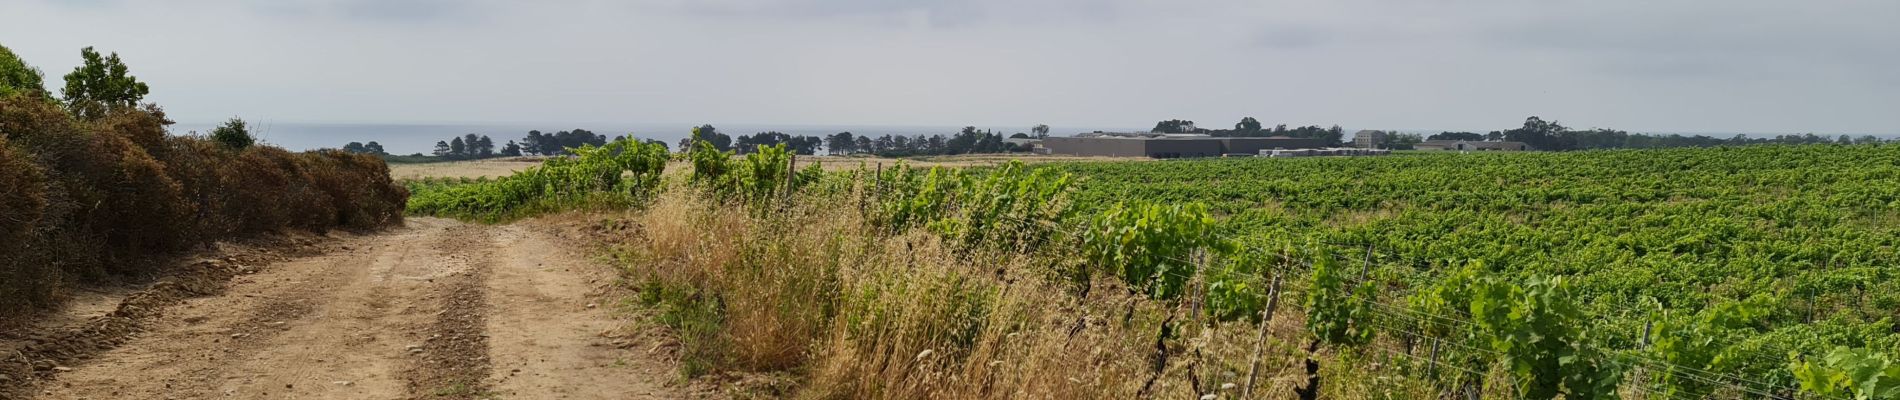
(421, 138)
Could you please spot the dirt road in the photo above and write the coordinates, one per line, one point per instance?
(438, 309)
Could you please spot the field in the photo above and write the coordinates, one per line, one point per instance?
(1727, 272)
(1797, 243)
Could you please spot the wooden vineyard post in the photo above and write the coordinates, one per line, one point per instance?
(1431, 369)
(1259, 346)
(1643, 346)
(1367, 267)
(1199, 281)
(791, 173)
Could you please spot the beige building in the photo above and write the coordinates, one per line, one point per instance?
(1368, 139)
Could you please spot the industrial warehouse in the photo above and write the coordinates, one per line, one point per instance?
(1170, 145)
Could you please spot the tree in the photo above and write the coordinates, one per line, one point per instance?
(100, 84)
(355, 147)
(532, 143)
(17, 77)
(1041, 130)
(1019, 135)
(1400, 141)
(458, 148)
(375, 148)
(234, 134)
(1247, 127)
(1470, 136)
(511, 150)
(1542, 135)
(841, 143)
(484, 146)
(711, 135)
(662, 145)
(442, 149)
(1175, 126)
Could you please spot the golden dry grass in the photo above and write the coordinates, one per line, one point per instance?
(835, 163)
(492, 168)
(811, 290)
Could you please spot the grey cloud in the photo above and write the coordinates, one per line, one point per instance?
(1680, 65)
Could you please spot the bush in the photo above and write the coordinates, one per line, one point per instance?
(624, 171)
(24, 282)
(92, 199)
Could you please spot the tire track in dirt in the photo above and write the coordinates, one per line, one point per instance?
(453, 361)
(437, 309)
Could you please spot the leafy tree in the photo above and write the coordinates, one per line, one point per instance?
(375, 148)
(712, 136)
(17, 77)
(841, 143)
(1041, 130)
(511, 150)
(101, 84)
(1400, 141)
(662, 145)
(1540, 134)
(1019, 135)
(1249, 126)
(355, 147)
(234, 134)
(442, 149)
(484, 146)
(458, 148)
(1175, 126)
(1468, 136)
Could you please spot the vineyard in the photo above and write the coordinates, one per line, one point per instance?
(1716, 264)
(1743, 272)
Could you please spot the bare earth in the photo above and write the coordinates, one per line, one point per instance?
(438, 309)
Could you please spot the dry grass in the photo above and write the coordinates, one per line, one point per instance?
(809, 290)
(838, 163)
(491, 168)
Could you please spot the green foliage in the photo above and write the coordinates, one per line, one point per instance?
(101, 84)
(18, 77)
(1237, 286)
(1689, 229)
(1338, 312)
(624, 171)
(1706, 342)
(234, 134)
(1539, 331)
(1860, 374)
(1152, 247)
(763, 174)
(1010, 205)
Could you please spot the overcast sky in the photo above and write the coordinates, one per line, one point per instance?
(1766, 66)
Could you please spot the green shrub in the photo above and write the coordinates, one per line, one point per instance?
(624, 171)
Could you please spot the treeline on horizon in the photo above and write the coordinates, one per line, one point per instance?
(968, 141)
(1537, 132)
(98, 189)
